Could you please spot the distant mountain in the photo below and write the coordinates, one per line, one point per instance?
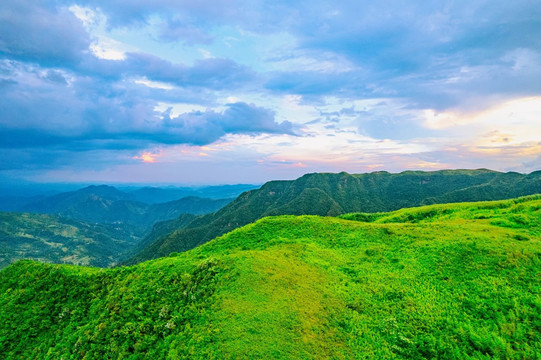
(96, 225)
(50, 238)
(453, 281)
(15, 203)
(16, 195)
(334, 194)
(154, 195)
(108, 205)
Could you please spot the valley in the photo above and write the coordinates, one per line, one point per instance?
(96, 225)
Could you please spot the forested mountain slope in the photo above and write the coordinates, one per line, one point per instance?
(457, 281)
(334, 194)
(97, 225)
(50, 238)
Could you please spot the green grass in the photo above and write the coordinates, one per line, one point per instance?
(458, 281)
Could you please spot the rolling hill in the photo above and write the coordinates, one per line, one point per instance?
(50, 238)
(335, 194)
(454, 281)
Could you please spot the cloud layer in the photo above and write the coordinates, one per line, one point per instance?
(362, 84)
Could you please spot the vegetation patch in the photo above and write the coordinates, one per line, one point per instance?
(438, 282)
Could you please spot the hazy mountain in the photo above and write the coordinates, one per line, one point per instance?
(334, 194)
(108, 205)
(454, 281)
(16, 203)
(50, 238)
(154, 195)
(96, 225)
(14, 196)
(187, 205)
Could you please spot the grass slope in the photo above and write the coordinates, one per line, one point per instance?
(50, 238)
(334, 194)
(458, 281)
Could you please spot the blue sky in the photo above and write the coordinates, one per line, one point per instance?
(232, 91)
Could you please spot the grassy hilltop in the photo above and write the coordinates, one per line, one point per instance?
(457, 281)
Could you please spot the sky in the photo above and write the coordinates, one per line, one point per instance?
(236, 91)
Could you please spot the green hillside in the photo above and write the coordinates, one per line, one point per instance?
(456, 281)
(334, 194)
(50, 238)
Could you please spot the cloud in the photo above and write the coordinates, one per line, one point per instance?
(211, 73)
(41, 108)
(437, 55)
(51, 36)
(91, 79)
(430, 54)
(200, 128)
(47, 35)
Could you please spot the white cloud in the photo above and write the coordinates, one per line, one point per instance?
(107, 48)
(87, 16)
(154, 84)
(521, 118)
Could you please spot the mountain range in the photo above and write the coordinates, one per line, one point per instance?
(154, 195)
(106, 204)
(17, 197)
(119, 229)
(329, 194)
(96, 225)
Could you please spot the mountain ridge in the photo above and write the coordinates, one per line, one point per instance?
(332, 194)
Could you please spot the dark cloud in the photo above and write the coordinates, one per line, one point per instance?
(212, 73)
(57, 125)
(48, 35)
(201, 128)
(95, 114)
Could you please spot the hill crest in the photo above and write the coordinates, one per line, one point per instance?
(300, 287)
